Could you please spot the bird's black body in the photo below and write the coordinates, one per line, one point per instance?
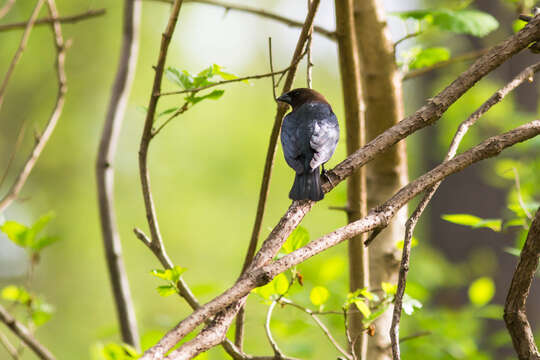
(309, 136)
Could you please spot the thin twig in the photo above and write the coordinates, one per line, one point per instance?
(20, 49)
(8, 346)
(520, 198)
(105, 172)
(497, 97)
(515, 309)
(406, 37)
(278, 353)
(348, 335)
(320, 324)
(25, 335)
(456, 59)
(62, 19)
(272, 68)
(270, 154)
(414, 336)
(309, 65)
(6, 8)
(259, 12)
(18, 142)
(42, 140)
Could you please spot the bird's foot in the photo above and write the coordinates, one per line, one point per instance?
(324, 173)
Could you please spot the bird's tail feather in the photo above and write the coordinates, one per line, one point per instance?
(307, 186)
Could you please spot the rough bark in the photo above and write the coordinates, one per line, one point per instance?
(349, 65)
(105, 172)
(515, 315)
(386, 174)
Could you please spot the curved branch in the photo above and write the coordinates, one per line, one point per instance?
(105, 172)
(515, 316)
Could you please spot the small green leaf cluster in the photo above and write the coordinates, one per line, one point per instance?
(460, 21)
(40, 311)
(29, 237)
(172, 276)
(113, 351)
(209, 76)
(463, 21)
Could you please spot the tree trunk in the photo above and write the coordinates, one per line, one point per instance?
(387, 173)
(349, 65)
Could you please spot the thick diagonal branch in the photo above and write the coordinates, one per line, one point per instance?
(515, 315)
(62, 19)
(378, 217)
(526, 74)
(105, 171)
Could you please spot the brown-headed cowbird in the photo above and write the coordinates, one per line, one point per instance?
(309, 135)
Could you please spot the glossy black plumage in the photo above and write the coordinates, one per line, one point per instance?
(309, 136)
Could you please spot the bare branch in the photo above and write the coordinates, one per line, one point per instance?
(105, 172)
(525, 75)
(42, 140)
(25, 335)
(20, 49)
(259, 12)
(278, 353)
(62, 19)
(18, 142)
(258, 276)
(8, 346)
(515, 315)
(272, 69)
(307, 29)
(6, 8)
(320, 324)
(456, 59)
(309, 65)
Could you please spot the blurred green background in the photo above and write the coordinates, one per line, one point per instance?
(206, 170)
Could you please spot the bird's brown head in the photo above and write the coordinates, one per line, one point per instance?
(300, 96)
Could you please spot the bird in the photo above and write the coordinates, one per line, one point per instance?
(309, 136)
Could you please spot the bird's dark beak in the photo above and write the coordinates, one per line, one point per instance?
(285, 98)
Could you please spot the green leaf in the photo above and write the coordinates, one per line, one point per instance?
(428, 57)
(41, 312)
(298, 238)
(114, 351)
(521, 222)
(166, 290)
(368, 295)
(409, 304)
(183, 79)
(172, 275)
(518, 25)
(363, 308)
(281, 284)
(168, 111)
(40, 224)
(43, 242)
(265, 291)
(471, 22)
(16, 294)
(319, 295)
(473, 221)
(18, 233)
(414, 242)
(388, 288)
(481, 291)
(214, 95)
